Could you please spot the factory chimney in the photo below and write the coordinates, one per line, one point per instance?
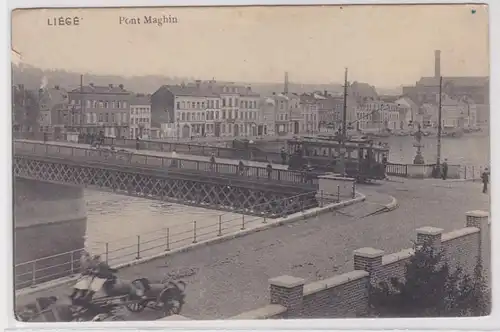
(285, 89)
(437, 63)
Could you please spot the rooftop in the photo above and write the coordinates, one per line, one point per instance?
(140, 100)
(464, 81)
(101, 89)
(208, 89)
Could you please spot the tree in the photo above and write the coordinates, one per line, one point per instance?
(431, 289)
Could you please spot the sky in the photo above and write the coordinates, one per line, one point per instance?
(385, 45)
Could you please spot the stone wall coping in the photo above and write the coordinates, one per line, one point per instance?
(335, 177)
(287, 281)
(266, 312)
(334, 281)
(459, 233)
(368, 252)
(477, 214)
(428, 230)
(397, 256)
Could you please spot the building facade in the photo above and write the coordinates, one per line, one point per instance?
(55, 115)
(310, 113)
(100, 109)
(140, 117)
(206, 108)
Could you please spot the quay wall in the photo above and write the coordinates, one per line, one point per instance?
(49, 220)
(346, 295)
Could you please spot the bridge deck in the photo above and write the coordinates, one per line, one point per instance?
(169, 154)
(190, 164)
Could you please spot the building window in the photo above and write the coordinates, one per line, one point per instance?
(223, 114)
(183, 116)
(203, 105)
(216, 115)
(124, 104)
(178, 105)
(217, 103)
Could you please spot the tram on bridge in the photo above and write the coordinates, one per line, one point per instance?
(364, 160)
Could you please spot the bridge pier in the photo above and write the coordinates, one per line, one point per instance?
(49, 220)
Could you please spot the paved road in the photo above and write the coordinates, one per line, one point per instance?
(169, 155)
(231, 277)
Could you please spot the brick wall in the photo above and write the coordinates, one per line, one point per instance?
(346, 295)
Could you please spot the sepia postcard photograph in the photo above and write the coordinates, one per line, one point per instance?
(251, 162)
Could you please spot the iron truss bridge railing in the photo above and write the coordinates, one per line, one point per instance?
(143, 176)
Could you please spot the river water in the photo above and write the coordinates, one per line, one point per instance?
(119, 219)
(472, 149)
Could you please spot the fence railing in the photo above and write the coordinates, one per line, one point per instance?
(128, 249)
(466, 172)
(251, 154)
(165, 163)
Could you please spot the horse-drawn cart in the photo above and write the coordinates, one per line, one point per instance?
(97, 299)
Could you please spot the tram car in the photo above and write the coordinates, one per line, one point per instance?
(364, 160)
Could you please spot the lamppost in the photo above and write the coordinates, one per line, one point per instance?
(419, 159)
(178, 129)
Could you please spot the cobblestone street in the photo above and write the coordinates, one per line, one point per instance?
(231, 277)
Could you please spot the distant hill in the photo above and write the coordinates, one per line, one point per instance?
(32, 77)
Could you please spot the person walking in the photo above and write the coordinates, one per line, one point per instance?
(283, 156)
(444, 169)
(241, 168)
(212, 162)
(137, 143)
(485, 177)
(269, 169)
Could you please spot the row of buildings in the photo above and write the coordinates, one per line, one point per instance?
(221, 109)
(110, 109)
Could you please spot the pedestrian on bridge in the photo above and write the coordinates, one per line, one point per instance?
(212, 162)
(137, 145)
(269, 170)
(241, 168)
(283, 156)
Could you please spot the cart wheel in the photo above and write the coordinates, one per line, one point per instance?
(173, 307)
(137, 306)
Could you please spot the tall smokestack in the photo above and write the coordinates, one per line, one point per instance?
(285, 90)
(437, 63)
